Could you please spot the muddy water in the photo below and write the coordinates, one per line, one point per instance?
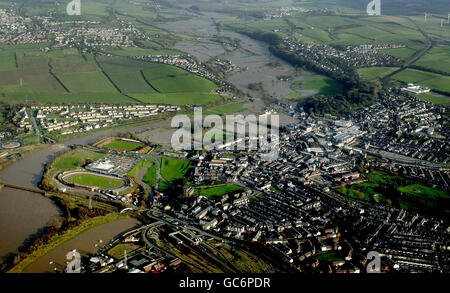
(22, 215)
(253, 57)
(87, 243)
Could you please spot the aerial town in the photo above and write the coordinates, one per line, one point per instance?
(296, 206)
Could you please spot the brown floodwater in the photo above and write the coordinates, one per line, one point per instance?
(87, 243)
(22, 215)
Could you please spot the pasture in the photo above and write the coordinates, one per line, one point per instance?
(181, 84)
(428, 79)
(437, 58)
(375, 72)
(181, 99)
(227, 109)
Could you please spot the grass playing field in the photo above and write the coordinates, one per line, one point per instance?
(93, 180)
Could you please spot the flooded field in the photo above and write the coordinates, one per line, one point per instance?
(257, 64)
(87, 243)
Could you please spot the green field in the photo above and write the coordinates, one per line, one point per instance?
(227, 109)
(126, 73)
(78, 98)
(437, 100)
(118, 251)
(402, 53)
(386, 188)
(95, 181)
(218, 191)
(428, 79)
(314, 84)
(173, 169)
(87, 82)
(164, 71)
(181, 99)
(150, 176)
(419, 190)
(75, 159)
(375, 72)
(66, 76)
(171, 79)
(437, 58)
(138, 168)
(183, 83)
(124, 145)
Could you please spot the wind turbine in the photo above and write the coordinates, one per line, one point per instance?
(426, 15)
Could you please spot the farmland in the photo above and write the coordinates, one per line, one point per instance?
(437, 58)
(428, 79)
(177, 98)
(170, 79)
(227, 109)
(66, 76)
(375, 72)
(435, 99)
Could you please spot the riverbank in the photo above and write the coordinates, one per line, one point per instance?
(58, 240)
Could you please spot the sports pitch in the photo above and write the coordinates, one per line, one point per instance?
(92, 180)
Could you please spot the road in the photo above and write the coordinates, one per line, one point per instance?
(36, 128)
(401, 158)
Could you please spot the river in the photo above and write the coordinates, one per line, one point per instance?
(24, 214)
